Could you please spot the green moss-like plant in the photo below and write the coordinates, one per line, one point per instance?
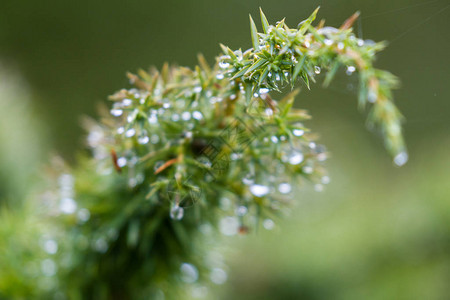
(186, 151)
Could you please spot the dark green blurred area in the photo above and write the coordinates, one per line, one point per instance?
(377, 232)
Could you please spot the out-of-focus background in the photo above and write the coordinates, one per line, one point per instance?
(375, 232)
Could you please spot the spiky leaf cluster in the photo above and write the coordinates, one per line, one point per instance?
(282, 55)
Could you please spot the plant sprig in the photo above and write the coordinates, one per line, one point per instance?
(185, 151)
(280, 55)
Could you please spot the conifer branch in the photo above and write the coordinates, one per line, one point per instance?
(185, 151)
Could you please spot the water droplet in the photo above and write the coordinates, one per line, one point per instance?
(282, 138)
(121, 162)
(328, 30)
(50, 246)
(264, 90)
(295, 157)
(225, 203)
(197, 115)
(248, 179)
(328, 42)
(48, 267)
(154, 139)
(95, 137)
(83, 215)
(350, 70)
(166, 105)
(186, 116)
(130, 132)
(322, 157)
(269, 112)
(100, 245)
(223, 64)
(268, 224)
(126, 102)
(140, 177)
(312, 145)
(206, 229)
(176, 212)
(153, 119)
(229, 226)
(298, 132)
(218, 276)
(67, 206)
(204, 160)
(143, 139)
(317, 69)
(307, 44)
(158, 164)
(241, 211)
(340, 45)
(274, 139)
(116, 112)
(308, 169)
(132, 182)
(220, 76)
(199, 292)
(275, 206)
(401, 158)
(360, 42)
(189, 273)
(318, 187)
(256, 95)
(120, 130)
(131, 117)
(325, 180)
(284, 188)
(66, 181)
(133, 161)
(259, 190)
(235, 156)
(175, 117)
(372, 96)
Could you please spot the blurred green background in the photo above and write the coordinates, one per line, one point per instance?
(376, 232)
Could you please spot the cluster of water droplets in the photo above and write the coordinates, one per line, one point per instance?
(176, 111)
(162, 110)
